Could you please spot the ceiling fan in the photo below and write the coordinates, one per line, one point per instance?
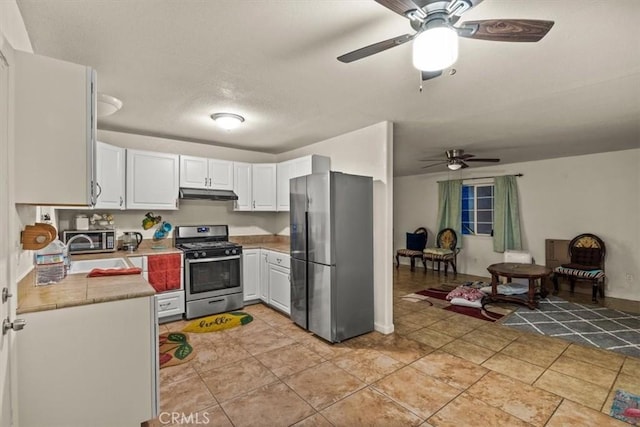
(456, 159)
(435, 42)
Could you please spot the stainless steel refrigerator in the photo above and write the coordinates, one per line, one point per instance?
(332, 254)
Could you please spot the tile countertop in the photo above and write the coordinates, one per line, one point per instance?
(78, 289)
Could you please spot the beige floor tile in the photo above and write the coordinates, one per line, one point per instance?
(430, 337)
(585, 371)
(403, 327)
(264, 341)
(421, 394)
(486, 340)
(323, 348)
(271, 405)
(323, 384)
(215, 356)
(629, 383)
(595, 356)
(190, 395)
(452, 327)
(514, 368)
(315, 420)
(469, 321)
(172, 374)
(521, 400)
(289, 359)
(400, 348)
(456, 372)
(367, 364)
(540, 356)
(213, 416)
(631, 366)
(369, 408)
(468, 411)
(575, 389)
(420, 318)
(466, 350)
(236, 379)
(552, 344)
(571, 414)
(501, 331)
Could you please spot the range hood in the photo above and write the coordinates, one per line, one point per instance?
(200, 193)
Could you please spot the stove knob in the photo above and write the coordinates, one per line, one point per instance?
(233, 251)
(227, 252)
(203, 254)
(195, 255)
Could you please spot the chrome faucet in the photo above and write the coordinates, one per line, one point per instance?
(67, 257)
(80, 235)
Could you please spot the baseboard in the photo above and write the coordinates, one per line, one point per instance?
(384, 329)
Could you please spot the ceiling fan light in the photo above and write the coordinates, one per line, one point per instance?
(227, 121)
(454, 166)
(107, 104)
(435, 49)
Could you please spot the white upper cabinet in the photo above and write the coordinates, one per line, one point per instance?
(200, 172)
(55, 131)
(242, 186)
(152, 180)
(110, 176)
(294, 168)
(264, 187)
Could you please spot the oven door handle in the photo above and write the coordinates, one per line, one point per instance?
(225, 258)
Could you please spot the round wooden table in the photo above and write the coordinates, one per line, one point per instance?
(511, 270)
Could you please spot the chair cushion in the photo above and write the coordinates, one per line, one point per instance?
(416, 241)
(581, 267)
(409, 252)
(586, 256)
(580, 274)
(438, 251)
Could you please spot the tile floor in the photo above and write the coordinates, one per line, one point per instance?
(438, 369)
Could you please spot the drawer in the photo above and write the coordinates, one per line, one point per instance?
(170, 303)
(280, 259)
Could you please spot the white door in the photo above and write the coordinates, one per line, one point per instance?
(264, 187)
(283, 175)
(109, 176)
(7, 308)
(152, 180)
(251, 273)
(242, 186)
(220, 174)
(194, 172)
(279, 288)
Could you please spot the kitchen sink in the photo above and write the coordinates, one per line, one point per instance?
(87, 265)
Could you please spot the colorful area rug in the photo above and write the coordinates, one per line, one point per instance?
(585, 324)
(626, 407)
(174, 349)
(437, 297)
(218, 322)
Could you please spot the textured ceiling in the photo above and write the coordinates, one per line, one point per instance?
(175, 62)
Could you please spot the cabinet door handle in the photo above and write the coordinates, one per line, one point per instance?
(210, 185)
(205, 182)
(99, 190)
(121, 201)
(254, 204)
(176, 203)
(164, 305)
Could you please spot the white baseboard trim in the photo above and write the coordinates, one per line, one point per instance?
(384, 329)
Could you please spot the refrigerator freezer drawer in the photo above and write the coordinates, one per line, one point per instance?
(299, 292)
(320, 301)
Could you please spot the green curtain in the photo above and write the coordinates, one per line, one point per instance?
(450, 207)
(506, 211)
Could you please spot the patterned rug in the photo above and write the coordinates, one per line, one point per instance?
(174, 349)
(585, 324)
(437, 297)
(218, 322)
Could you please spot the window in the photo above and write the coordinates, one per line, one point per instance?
(477, 209)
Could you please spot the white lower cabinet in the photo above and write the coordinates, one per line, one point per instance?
(170, 305)
(90, 365)
(251, 274)
(264, 275)
(279, 288)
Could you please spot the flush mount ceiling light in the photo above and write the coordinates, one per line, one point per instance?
(227, 121)
(454, 165)
(435, 48)
(107, 104)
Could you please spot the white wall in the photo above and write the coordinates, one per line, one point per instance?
(559, 199)
(367, 151)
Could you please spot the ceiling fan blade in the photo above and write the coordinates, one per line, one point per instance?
(464, 165)
(401, 7)
(375, 48)
(507, 30)
(483, 160)
(427, 75)
(466, 156)
(435, 164)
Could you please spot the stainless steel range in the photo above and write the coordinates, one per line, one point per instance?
(212, 269)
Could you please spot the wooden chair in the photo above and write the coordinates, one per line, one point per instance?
(415, 245)
(445, 251)
(586, 252)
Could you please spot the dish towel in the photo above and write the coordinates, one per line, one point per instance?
(164, 272)
(101, 272)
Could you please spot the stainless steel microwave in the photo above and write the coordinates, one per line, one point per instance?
(89, 241)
